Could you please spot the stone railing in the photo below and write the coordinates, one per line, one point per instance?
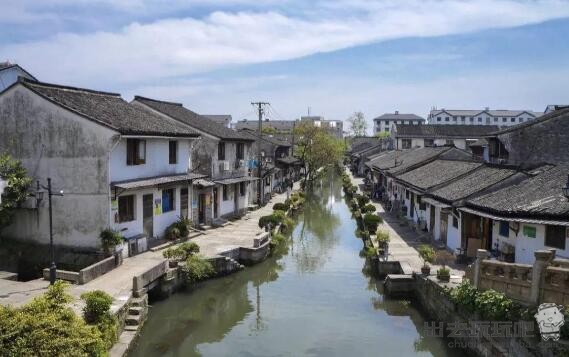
(547, 280)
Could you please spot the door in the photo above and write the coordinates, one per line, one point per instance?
(201, 209)
(215, 202)
(184, 202)
(147, 215)
(412, 205)
(444, 227)
(432, 220)
(236, 194)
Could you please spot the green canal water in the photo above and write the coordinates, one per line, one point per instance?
(314, 298)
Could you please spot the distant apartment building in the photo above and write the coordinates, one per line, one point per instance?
(485, 116)
(333, 127)
(387, 121)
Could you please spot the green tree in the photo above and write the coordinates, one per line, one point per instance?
(16, 190)
(269, 130)
(358, 124)
(317, 149)
(382, 135)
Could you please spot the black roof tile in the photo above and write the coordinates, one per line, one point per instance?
(538, 196)
(108, 109)
(437, 172)
(179, 112)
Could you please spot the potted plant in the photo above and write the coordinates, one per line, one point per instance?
(427, 253)
(443, 257)
(110, 239)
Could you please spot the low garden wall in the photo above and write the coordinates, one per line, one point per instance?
(89, 273)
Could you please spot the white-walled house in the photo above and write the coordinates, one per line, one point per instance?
(222, 155)
(119, 166)
(500, 117)
(9, 74)
(517, 220)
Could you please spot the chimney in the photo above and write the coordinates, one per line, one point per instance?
(396, 112)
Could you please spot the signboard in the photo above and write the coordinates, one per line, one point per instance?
(157, 206)
(529, 231)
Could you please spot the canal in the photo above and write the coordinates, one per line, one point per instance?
(313, 298)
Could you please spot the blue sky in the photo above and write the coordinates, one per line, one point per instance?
(336, 56)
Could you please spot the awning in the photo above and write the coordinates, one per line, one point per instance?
(155, 181)
(288, 160)
(510, 219)
(434, 202)
(230, 181)
(204, 183)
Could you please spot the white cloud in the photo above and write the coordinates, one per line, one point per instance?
(180, 47)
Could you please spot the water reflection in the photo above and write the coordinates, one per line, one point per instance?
(315, 298)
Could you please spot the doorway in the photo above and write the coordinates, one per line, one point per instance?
(432, 221)
(236, 194)
(215, 202)
(201, 208)
(444, 227)
(147, 215)
(184, 202)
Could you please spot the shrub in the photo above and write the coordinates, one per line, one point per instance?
(110, 239)
(493, 305)
(443, 271)
(362, 200)
(178, 229)
(465, 295)
(382, 236)
(97, 305)
(197, 268)
(287, 224)
(46, 327)
(277, 239)
(427, 253)
(371, 221)
(369, 208)
(369, 252)
(281, 206)
(182, 251)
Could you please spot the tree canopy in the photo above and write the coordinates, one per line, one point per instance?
(358, 124)
(317, 149)
(16, 190)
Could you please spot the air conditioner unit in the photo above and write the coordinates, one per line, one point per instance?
(226, 166)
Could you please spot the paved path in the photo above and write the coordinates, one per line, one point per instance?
(118, 282)
(404, 241)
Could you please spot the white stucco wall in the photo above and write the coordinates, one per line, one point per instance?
(157, 164)
(525, 246)
(453, 234)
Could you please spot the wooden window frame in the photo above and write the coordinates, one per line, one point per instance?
(550, 231)
(221, 151)
(173, 152)
(127, 203)
(240, 151)
(135, 152)
(225, 192)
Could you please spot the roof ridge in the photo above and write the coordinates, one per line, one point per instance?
(28, 82)
(156, 100)
(541, 119)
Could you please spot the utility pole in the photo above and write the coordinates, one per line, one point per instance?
(52, 268)
(260, 108)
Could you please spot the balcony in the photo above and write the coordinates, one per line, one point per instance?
(230, 169)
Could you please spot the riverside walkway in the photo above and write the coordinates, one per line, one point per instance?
(404, 241)
(118, 282)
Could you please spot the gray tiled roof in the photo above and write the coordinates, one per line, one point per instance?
(109, 109)
(444, 131)
(272, 140)
(219, 118)
(475, 112)
(437, 172)
(284, 125)
(156, 181)
(393, 116)
(399, 161)
(538, 196)
(179, 112)
(477, 180)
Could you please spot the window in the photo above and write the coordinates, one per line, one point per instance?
(504, 119)
(462, 118)
(479, 119)
(513, 120)
(225, 193)
(221, 151)
(173, 152)
(267, 181)
(429, 142)
(447, 119)
(438, 118)
(168, 200)
(495, 119)
(454, 118)
(135, 152)
(504, 229)
(555, 236)
(407, 194)
(242, 188)
(240, 151)
(454, 222)
(406, 143)
(126, 208)
(449, 142)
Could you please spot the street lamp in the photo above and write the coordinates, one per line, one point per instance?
(52, 268)
(566, 188)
